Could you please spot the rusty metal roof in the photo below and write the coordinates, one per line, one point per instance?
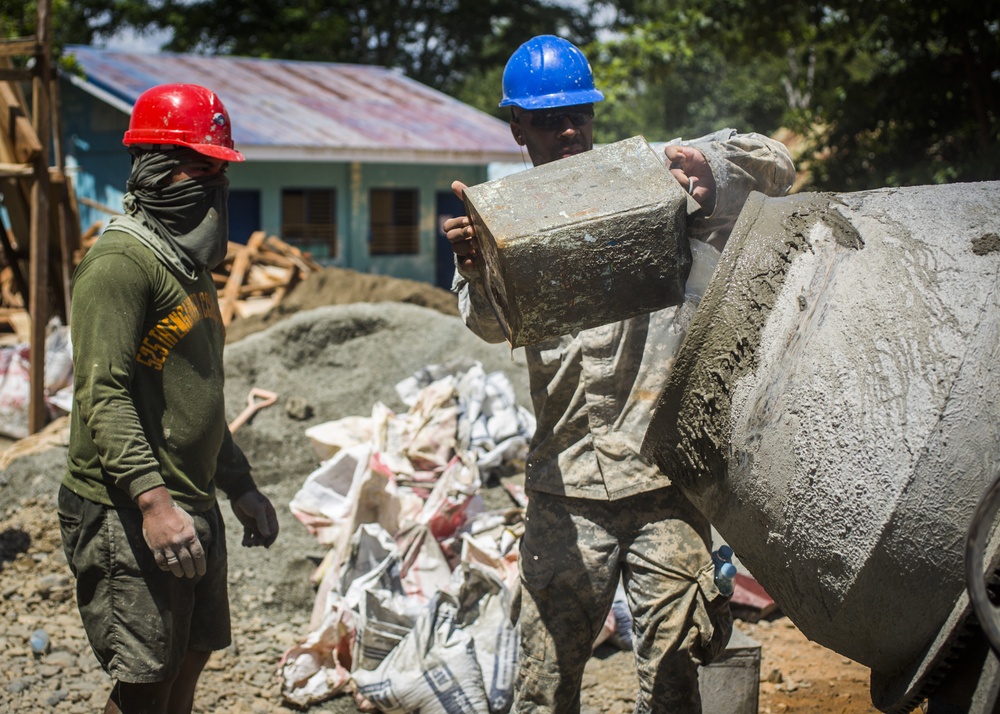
(311, 111)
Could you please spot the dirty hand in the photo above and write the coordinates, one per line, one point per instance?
(462, 235)
(260, 523)
(690, 167)
(169, 532)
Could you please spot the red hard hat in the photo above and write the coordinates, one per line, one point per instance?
(183, 115)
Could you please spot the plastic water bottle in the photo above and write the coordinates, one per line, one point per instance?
(39, 641)
(725, 571)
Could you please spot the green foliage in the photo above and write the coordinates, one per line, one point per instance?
(76, 21)
(915, 100)
(885, 93)
(439, 43)
(882, 92)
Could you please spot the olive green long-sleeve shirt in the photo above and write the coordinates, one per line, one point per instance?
(594, 391)
(148, 382)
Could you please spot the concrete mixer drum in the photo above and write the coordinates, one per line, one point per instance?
(834, 410)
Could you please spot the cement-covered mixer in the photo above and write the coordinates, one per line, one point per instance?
(835, 411)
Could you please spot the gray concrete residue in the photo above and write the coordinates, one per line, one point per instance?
(986, 244)
(835, 407)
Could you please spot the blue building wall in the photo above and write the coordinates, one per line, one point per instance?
(99, 164)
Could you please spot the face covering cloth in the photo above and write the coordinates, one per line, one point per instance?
(188, 219)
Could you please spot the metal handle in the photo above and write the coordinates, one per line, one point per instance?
(987, 613)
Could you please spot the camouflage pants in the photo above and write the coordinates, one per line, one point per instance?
(572, 554)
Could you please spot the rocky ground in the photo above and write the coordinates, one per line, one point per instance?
(271, 613)
(36, 593)
(325, 363)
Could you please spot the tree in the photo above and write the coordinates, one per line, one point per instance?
(440, 43)
(76, 21)
(886, 93)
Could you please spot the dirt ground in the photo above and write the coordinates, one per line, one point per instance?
(796, 675)
(334, 360)
(271, 614)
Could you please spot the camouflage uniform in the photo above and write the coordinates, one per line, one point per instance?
(597, 510)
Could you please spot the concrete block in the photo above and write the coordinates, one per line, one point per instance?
(583, 241)
(731, 684)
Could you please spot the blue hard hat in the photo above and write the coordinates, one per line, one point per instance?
(546, 72)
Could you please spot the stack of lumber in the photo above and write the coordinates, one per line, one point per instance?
(255, 277)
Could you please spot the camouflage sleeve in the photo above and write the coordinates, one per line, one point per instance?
(475, 308)
(740, 163)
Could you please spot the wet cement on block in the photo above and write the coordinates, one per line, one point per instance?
(584, 241)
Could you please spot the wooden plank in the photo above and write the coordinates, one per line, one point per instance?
(20, 136)
(269, 257)
(38, 304)
(99, 206)
(61, 247)
(15, 265)
(16, 193)
(261, 287)
(18, 46)
(231, 293)
(303, 261)
(15, 74)
(16, 170)
(281, 292)
(17, 321)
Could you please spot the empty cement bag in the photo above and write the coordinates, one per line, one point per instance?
(459, 657)
(835, 412)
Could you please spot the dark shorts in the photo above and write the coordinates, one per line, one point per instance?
(140, 620)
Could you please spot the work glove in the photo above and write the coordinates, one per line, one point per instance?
(169, 532)
(260, 522)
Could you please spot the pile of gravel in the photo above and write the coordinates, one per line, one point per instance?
(338, 361)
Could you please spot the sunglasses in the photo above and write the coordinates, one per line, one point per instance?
(554, 120)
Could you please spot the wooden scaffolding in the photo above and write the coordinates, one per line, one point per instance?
(44, 227)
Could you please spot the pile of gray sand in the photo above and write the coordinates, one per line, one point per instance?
(338, 361)
(341, 286)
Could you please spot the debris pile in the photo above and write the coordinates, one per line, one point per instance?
(417, 568)
(255, 277)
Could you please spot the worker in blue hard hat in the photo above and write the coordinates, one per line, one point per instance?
(549, 80)
(599, 516)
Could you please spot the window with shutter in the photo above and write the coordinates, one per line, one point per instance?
(394, 222)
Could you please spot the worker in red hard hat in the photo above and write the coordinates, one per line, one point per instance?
(149, 445)
(599, 515)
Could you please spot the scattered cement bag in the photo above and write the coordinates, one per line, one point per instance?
(491, 424)
(425, 568)
(385, 619)
(460, 656)
(330, 437)
(319, 667)
(495, 428)
(428, 438)
(492, 540)
(446, 508)
(345, 492)
(15, 391)
(15, 381)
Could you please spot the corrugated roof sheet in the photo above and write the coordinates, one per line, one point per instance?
(313, 110)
